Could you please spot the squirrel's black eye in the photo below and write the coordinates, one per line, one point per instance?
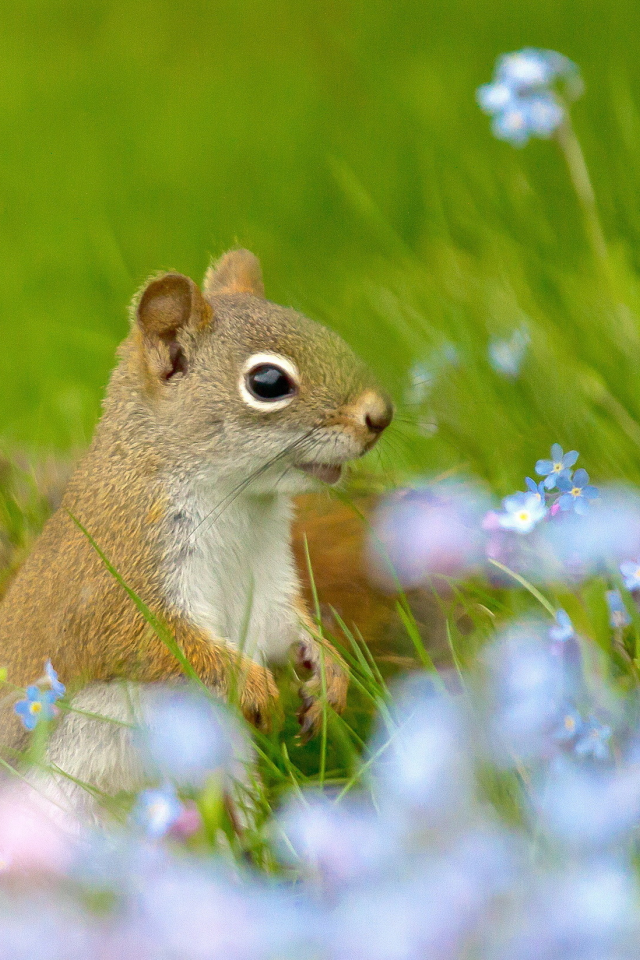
(269, 383)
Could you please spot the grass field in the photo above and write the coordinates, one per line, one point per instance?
(343, 144)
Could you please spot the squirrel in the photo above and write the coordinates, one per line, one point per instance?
(223, 407)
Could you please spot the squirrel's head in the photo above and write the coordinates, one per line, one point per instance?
(253, 388)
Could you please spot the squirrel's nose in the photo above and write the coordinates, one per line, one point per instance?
(377, 411)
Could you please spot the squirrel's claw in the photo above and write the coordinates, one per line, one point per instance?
(309, 715)
(333, 686)
(260, 697)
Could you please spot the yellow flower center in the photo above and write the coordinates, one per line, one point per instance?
(569, 724)
(557, 467)
(35, 707)
(576, 492)
(524, 515)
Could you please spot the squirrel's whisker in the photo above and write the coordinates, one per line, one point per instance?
(220, 507)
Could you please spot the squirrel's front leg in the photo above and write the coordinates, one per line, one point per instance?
(219, 666)
(329, 676)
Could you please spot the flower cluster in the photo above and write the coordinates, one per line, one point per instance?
(523, 511)
(522, 100)
(423, 859)
(580, 731)
(448, 528)
(40, 700)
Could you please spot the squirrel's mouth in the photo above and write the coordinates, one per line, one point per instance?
(327, 472)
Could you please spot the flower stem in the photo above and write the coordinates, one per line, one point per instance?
(579, 173)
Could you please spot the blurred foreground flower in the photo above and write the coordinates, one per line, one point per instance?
(608, 533)
(57, 688)
(156, 811)
(630, 571)
(424, 776)
(618, 613)
(527, 695)
(426, 532)
(188, 737)
(335, 842)
(35, 834)
(562, 629)
(491, 823)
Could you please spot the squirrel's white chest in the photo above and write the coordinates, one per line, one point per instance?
(231, 570)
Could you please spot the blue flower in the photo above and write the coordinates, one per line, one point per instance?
(522, 511)
(521, 99)
(527, 117)
(618, 614)
(562, 630)
(57, 688)
(594, 740)
(576, 491)
(538, 489)
(187, 737)
(570, 726)
(38, 705)
(630, 570)
(559, 465)
(530, 69)
(157, 810)
(506, 356)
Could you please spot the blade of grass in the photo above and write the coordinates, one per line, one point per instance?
(525, 583)
(323, 678)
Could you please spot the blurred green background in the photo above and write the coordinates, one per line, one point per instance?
(341, 142)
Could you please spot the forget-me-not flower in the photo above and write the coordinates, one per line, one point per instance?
(57, 688)
(525, 117)
(570, 726)
(630, 571)
(521, 99)
(618, 613)
(187, 738)
(156, 811)
(594, 740)
(559, 465)
(576, 491)
(506, 356)
(538, 489)
(562, 630)
(522, 511)
(531, 69)
(38, 705)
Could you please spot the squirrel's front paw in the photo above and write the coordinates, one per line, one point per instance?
(259, 695)
(335, 685)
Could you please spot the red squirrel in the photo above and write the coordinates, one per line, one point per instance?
(223, 407)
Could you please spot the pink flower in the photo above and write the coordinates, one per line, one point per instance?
(189, 821)
(36, 836)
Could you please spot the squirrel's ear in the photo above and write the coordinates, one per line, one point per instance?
(170, 307)
(238, 271)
